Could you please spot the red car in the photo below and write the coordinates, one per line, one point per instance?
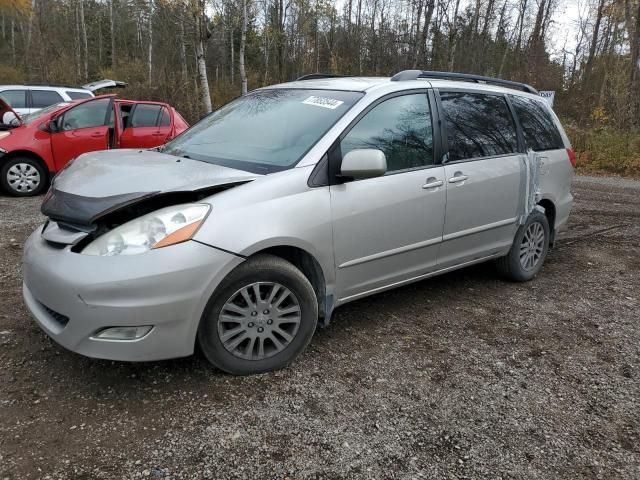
(36, 146)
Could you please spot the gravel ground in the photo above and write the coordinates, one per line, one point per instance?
(460, 376)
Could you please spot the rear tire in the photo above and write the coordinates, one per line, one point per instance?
(529, 250)
(260, 318)
(23, 177)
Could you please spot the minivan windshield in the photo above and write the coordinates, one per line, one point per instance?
(265, 131)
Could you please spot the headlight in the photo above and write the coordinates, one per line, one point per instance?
(161, 228)
(4, 134)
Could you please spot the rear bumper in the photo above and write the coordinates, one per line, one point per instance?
(74, 296)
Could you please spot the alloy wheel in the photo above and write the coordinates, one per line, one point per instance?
(259, 320)
(532, 246)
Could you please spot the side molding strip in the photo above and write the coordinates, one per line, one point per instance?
(482, 228)
(388, 253)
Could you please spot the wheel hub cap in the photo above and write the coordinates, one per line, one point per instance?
(23, 177)
(532, 246)
(259, 320)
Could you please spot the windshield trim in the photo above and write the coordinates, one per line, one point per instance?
(257, 167)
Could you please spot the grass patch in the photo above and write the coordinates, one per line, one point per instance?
(606, 150)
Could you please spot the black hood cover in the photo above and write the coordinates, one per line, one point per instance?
(76, 209)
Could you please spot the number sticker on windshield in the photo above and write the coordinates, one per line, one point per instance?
(323, 102)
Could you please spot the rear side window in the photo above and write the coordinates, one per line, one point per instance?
(78, 95)
(539, 129)
(145, 115)
(478, 125)
(44, 98)
(400, 127)
(15, 98)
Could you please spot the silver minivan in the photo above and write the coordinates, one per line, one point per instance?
(245, 232)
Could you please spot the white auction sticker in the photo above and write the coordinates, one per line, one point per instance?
(323, 102)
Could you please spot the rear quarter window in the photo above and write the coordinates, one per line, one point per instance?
(44, 98)
(15, 98)
(145, 115)
(165, 119)
(539, 129)
(78, 95)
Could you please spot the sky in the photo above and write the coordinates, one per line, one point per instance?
(566, 25)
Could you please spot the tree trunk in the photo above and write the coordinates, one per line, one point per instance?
(183, 53)
(359, 36)
(633, 30)
(452, 37)
(78, 48)
(535, 41)
(372, 29)
(150, 45)
(487, 19)
(99, 44)
(280, 38)
(201, 37)
(476, 18)
(594, 41)
(27, 49)
(13, 40)
(523, 11)
(428, 14)
(232, 67)
(112, 26)
(83, 29)
(416, 39)
(243, 41)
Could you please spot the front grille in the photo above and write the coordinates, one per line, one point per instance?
(62, 320)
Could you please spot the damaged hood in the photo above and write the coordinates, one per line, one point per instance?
(99, 183)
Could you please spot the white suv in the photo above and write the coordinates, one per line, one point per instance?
(25, 99)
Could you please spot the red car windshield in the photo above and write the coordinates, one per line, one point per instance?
(32, 117)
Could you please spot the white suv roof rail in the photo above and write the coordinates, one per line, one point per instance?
(468, 77)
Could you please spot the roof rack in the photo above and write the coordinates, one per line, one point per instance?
(55, 85)
(468, 77)
(317, 76)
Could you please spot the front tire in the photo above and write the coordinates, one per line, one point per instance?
(529, 250)
(260, 318)
(23, 177)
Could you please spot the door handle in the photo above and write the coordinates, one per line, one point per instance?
(433, 183)
(157, 134)
(458, 177)
(97, 135)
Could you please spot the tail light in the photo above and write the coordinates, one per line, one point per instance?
(572, 157)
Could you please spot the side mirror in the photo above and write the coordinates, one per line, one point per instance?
(9, 119)
(54, 125)
(365, 163)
